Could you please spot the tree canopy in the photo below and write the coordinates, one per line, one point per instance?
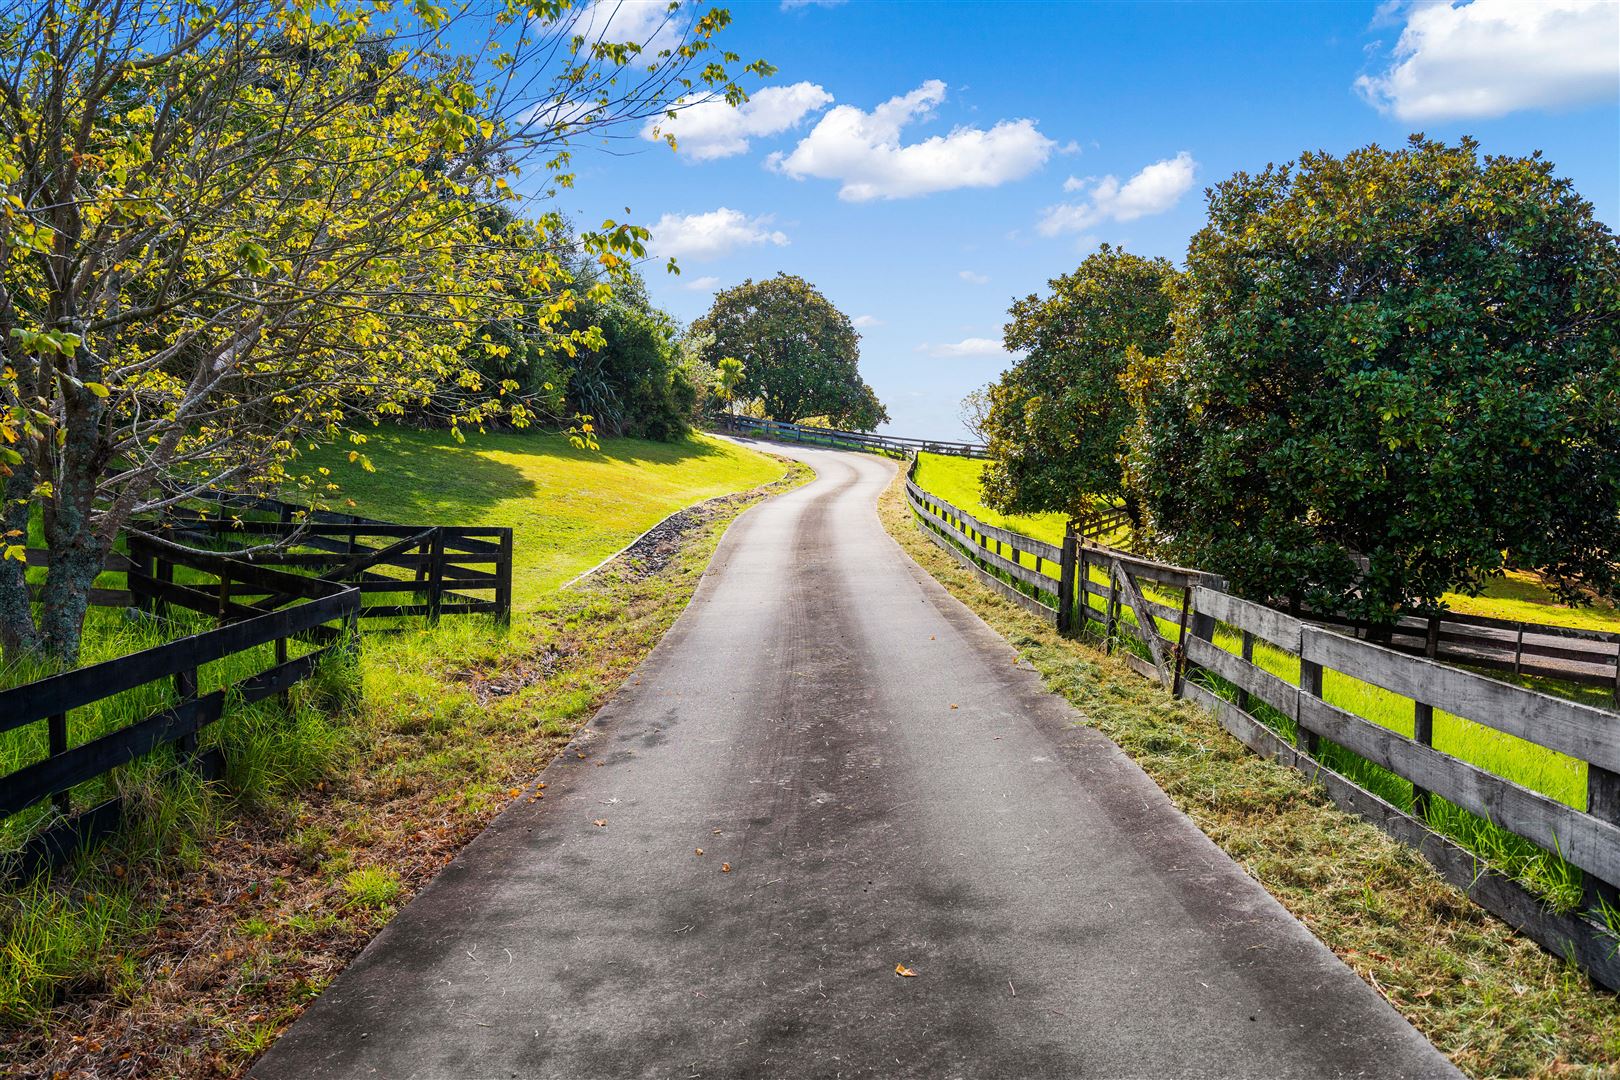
(1058, 416)
(1392, 375)
(800, 354)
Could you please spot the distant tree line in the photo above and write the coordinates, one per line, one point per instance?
(1377, 379)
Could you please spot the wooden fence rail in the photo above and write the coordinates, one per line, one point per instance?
(1174, 619)
(254, 605)
(849, 440)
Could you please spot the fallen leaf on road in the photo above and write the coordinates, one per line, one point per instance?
(515, 792)
(580, 754)
(725, 868)
(600, 823)
(700, 851)
(930, 637)
(904, 972)
(953, 706)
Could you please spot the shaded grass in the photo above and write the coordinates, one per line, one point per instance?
(1488, 998)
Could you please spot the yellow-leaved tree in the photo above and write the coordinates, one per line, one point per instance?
(231, 229)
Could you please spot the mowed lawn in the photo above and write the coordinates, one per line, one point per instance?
(568, 508)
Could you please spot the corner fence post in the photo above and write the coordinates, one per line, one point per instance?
(503, 579)
(1066, 568)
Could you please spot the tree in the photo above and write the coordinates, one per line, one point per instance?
(728, 376)
(800, 353)
(1058, 417)
(230, 230)
(975, 412)
(1393, 374)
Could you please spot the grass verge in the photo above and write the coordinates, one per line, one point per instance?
(1491, 1000)
(187, 943)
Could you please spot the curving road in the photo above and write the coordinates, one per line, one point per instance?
(888, 787)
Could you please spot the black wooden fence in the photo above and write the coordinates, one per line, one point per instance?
(1198, 641)
(400, 570)
(845, 440)
(301, 589)
(255, 606)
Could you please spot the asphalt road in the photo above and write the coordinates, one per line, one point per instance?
(888, 787)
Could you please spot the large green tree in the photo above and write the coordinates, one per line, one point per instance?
(800, 354)
(1058, 417)
(1393, 374)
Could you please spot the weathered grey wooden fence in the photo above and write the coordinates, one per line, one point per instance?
(1178, 618)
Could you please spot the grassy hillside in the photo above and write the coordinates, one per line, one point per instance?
(1512, 596)
(569, 508)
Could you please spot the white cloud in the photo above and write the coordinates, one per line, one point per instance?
(973, 347)
(713, 129)
(701, 284)
(863, 321)
(647, 23)
(1153, 190)
(863, 151)
(708, 236)
(973, 279)
(1490, 57)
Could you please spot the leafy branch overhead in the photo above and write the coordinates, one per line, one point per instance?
(229, 232)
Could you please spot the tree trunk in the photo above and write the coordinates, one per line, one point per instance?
(17, 632)
(77, 549)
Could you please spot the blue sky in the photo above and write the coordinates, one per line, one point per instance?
(1021, 135)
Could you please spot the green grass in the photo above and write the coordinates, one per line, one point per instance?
(1490, 999)
(569, 508)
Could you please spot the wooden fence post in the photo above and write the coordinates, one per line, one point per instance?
(1182, 630)
(1111, 623)
(185, 688)
(1082, 574)
(1423, 718)
(1248, 658)
(56, 734)
(1310, 682)
(1065, 598)
(436, 576)
(503, 579)
(1603, 803)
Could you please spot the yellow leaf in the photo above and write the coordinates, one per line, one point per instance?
(904, 972)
